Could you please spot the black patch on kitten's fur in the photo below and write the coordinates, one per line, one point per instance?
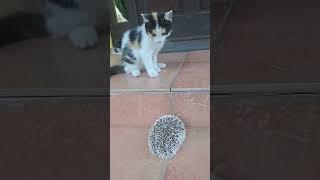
(151, 25)
(69, 4)
(135, 35)
(127, 56)
(164, 23)
(118, 44)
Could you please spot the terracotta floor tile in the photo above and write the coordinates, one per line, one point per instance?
(130, 157)
(128, 83)
(193, 109)
(135, 109)
(192, 162)
(201, 55)
(172, 57)
(193, 76)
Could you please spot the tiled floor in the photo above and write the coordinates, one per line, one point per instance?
(181, 89)
(185, 71)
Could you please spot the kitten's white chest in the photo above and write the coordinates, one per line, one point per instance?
(153, 46)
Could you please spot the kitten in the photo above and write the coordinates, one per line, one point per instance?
(140, 46)
(79, 20)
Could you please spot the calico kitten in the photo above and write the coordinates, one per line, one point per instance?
(79, 20)
(140, 46)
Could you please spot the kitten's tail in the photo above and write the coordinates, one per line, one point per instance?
(21, 26)
(118, 69)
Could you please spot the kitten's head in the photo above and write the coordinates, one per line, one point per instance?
(158, 25)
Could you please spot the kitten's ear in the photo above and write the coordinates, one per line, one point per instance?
(168, 15)
(144, 18)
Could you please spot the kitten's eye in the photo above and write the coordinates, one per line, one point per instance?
(163, 33)
(154, 35)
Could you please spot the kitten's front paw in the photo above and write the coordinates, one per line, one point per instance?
(158, 69)
(135, 73)
(84, 37)
(162, 65)
(153, 73)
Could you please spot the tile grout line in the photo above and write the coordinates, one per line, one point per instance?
(163, 92)
(173, 80)
(176, 74)
(171, 103)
